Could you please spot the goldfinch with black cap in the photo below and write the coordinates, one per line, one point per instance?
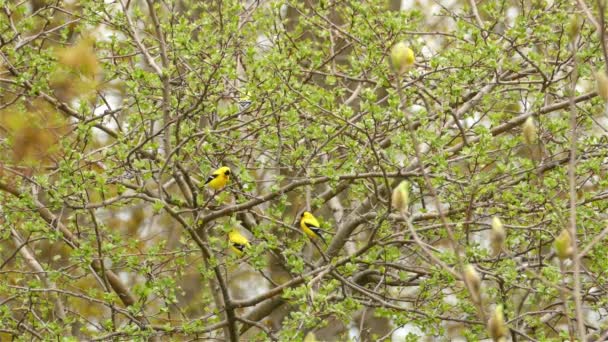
(219, 178)
(310, 226)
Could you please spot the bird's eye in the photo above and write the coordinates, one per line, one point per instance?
(227, 173)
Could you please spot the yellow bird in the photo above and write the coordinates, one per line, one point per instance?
(238, 242)
(310, 226)
(219, 178)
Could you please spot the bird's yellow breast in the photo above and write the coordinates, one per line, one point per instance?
(238, 242)
(309, 224)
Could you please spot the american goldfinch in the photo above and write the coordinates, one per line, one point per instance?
(238, 242)
(310, 226)
(219, 178)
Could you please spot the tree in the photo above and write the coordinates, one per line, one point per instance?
(114, 113)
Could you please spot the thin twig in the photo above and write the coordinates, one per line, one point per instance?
(163, 74)
(35, 266)
(435, 197)
(572, 181)
(601, 5)
(590, 17)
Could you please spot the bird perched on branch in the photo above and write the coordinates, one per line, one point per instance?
(310, 226)
(219, 178)
(238, 242)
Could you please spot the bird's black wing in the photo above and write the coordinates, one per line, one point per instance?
(238, 246)
(212, 177)
(310, 225)
(316, 230)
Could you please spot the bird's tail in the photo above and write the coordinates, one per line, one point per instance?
(321, 237)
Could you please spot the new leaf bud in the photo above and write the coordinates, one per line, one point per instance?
(402, 57)
(574, 27)
(529, 131)
(473, 281)
(563, 245)
(497, 328)
(602, 85)
(497, 235)
(401, 197)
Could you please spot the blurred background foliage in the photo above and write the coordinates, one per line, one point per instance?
(113, 113)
